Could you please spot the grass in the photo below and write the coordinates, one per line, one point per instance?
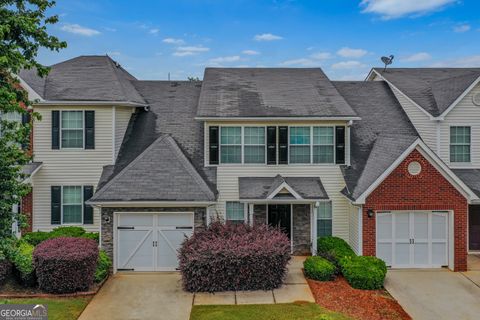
(285, 311)
(58, 308)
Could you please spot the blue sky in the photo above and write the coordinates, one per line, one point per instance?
(344, 37)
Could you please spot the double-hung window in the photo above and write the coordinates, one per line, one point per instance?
(254, 144)
(324, 219)
(72, 129)
(10, 117)
(300, 145)
(231, 144)
(323, 145)
(235, 212)
(460, 144)
(72, 205)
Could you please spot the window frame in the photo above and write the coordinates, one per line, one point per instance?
(450, 144)
(62, 204)
(17, 115)
(61, 130)
(324, 145)
(264, 145)
(220, 145)
(329, 219)
(235, 221)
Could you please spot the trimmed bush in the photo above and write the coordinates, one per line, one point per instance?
(227, 257)
(22, 260)
(71, 231)
(364, 272)
(35, 238)
(65, 265)
(91, 235)
(5, 269)
(103, 266)
(334, 249)
(318, 268)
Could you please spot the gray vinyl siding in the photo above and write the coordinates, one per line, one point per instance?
(122, 117)
(465, 113)
(68, 167)
(354, 236)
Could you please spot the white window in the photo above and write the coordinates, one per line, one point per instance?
(300, 145)
(324, 219)
(11, 117)
(460, 144)
(235, 212)
(254, 140)
(72, 129)
(72, 205)
(231, 144)
(323, 145)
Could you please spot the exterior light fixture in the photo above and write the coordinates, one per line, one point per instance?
(370, 213)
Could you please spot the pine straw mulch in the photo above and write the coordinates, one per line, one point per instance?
(339, 296)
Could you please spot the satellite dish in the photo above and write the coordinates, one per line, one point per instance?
(387, 61)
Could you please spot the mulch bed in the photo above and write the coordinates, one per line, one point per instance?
(339, 296)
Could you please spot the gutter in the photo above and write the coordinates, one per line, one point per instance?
(110, 204)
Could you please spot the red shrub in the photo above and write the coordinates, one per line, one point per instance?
(234, 257)
(65, 264)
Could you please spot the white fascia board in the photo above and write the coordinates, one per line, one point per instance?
(88, 103)
(282, 201)
(470, 88)
(407, 97)
(108, 204)
(292, 118)
(289, 189)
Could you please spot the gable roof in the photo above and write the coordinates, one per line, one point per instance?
(471, 177)
(160, 173)
(379, 138)
(433, 89)
(85, 78)
(270, 92)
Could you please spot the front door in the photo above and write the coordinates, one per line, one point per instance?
(474, 228)
(279, 215)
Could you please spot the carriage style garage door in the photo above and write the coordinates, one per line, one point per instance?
(149, 241)
(413, 239)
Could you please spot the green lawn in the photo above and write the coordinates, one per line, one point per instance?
(287, 311)
(58, 308)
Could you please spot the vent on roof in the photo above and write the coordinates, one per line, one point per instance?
(476, 99)
(117, 64)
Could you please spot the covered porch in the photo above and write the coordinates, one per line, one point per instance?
(291, 204)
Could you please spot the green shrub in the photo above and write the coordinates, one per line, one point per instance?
(23, 263)
(334, 249)
(364, 272)
(318, 268)
(35, 238)
(72, 231)
(103, 266)
(91, 235)
(8, 246)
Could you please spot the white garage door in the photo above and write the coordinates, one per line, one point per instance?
(413, 239)
(150, 241)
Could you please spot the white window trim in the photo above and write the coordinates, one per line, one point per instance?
(458, 163)
(242, 156)
(220, 144)
(61, 130)
(318, 217)
(255, 145)
(311, 145)
(244, 220)
(61, 206)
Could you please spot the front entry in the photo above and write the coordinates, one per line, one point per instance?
(474, 228)
(280, 215)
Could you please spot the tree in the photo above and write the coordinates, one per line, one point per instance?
(23, 31)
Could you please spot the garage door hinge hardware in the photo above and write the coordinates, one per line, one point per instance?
(155, 243)
(184, 228)
(126, 228)
(412, 241)
(125, 269)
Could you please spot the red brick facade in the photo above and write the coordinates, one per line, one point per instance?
(27, 209)
(428, 190)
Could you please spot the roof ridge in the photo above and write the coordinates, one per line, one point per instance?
(122, 88)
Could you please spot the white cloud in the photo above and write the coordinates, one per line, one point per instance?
(78, 29)
(416, 57)
(300, 62)
(461, 62)
(321, 55)
(189, 51)
(250, 52)
(391, 9)
(348, 65)
(347, 52)
(225, 59)
(114, 53)
(266, 37)
(173, 41)
(154, 31)
(462, 28)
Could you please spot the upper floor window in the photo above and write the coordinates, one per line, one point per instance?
(254, 139)
(235, 212)
(72, 129)
(253, 145)
(323, 145)
(460, 144)
(231, 144)
(300, 145)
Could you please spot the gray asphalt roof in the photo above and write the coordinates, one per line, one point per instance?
(471, 177)
(160, 173)
(382, 135)
(270, 92)
(262, 187)
(173, 106)
(84, 78)
(433, 89)
(30, 168)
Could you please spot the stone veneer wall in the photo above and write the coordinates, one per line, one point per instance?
(200, 217)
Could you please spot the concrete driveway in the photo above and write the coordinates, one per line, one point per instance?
(141, 296)
(436, 294)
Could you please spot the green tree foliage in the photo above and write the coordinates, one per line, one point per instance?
(23, 31)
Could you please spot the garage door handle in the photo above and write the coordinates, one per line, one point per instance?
(184, 228)
(126, 228)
